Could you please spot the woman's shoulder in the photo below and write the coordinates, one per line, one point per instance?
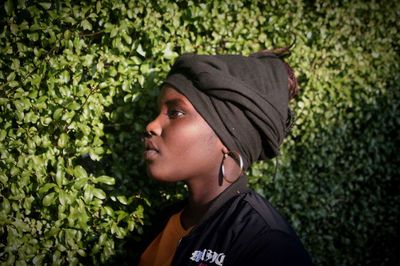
(254, 233)
(262, 210)
(268, 232)
(248, 212)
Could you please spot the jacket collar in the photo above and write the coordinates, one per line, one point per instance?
(237, 188)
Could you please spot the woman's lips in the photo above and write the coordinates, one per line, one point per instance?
(151, 151)
(151, 154)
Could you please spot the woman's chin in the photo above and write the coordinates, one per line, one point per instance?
(157, 174)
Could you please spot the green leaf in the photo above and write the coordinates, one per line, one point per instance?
(122, 199)
(38, 260)
(63, 140)
(107, 210)
(140, 50)
(121, 215)
(86, 25)
(168, 53)
(74, 106)
(13, 84)
(3, 179)
(45, 121)
(80, 182)
(105, 180)
(11, 76)
(57, 113)
(88, 60)
(114, 32)
(28, 203)
(60, 176)
(67, 116)
(14, 28)
(3, 101)
(80, 172)
(81, 252)
(34, 37)
(65, 76)
(49, 199)
(9, 7)
(45, 5)
(145, 68)
(98, 193)
(88, 193)
(127, 38)
(62, 197)
(70, 20)
(46, 187)
(22, 104)
(5, 205)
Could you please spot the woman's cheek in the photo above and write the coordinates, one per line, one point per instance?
(183, 136)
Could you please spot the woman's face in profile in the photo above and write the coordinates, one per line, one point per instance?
(182, 146)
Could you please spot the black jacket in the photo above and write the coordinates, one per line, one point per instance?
(241, 228)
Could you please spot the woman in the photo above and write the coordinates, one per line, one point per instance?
(218, 115)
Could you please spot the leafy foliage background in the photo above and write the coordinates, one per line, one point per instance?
(78, 83)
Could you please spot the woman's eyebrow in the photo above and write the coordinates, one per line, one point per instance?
(172, 102)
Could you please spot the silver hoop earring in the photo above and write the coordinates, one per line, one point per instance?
(238, 158)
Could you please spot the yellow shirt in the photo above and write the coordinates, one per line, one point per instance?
(162, 250)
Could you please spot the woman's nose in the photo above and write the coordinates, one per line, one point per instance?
(154, 128)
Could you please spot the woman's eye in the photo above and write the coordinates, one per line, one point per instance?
(175, 113)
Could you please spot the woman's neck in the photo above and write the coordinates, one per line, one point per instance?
(201, 195)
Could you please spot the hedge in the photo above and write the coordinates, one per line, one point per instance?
(78, 83)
